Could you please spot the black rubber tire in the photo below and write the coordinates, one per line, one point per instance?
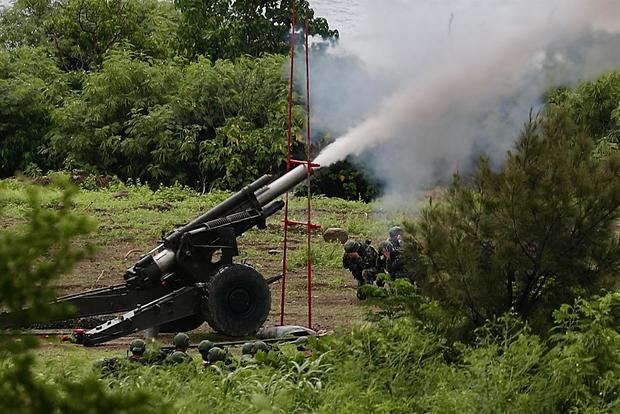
(186, 324)
(239, 300)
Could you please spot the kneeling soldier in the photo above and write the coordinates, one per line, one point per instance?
(361, 261)
(390, 262)
(137, 349)
(204, 347)
(181, 343)
(217, 354)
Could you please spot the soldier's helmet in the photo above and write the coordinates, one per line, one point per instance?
(386, 245)
(178, 357)
(395, 232)
(181, 340)
(247, 348)
(351, 246)
(137, 346)
(204, 347)
(261, 346)
(216, 354)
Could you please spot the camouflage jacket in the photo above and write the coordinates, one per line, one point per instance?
(393, 266)
(178, 357)
(364, 259)
(396, 242)
(137, 359)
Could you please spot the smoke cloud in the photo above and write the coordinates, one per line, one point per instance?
(425, 87)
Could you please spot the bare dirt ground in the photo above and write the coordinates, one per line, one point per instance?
(334, 302)
(131, 225)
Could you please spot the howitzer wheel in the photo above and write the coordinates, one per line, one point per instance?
(239, 300)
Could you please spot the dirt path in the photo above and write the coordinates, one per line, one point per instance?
(334, 301)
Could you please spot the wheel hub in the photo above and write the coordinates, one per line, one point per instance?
(239, 300)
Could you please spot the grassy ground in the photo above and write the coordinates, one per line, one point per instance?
(132, 218)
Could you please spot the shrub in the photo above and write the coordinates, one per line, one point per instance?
(31, 258)
(527, 238)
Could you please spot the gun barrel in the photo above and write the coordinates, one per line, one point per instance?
(283, 184)
(230, 205)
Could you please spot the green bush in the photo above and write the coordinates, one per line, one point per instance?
(527, 238)
(164, 121)
(31, 258)
(30, 87)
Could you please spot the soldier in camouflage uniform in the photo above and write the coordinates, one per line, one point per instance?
(247, 353)
(395, 236)
(216, 354)
(137, 348)
(261, 346)
(220, 357)
(361, 261)
(204, 347)
(181, 343)
(390, 262)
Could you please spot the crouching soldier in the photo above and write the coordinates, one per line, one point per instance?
(137, 348)
(181, 343)
(361, 261)
(390, 261)
(204, 347)
(395, 236)
(247, 353)
(219, 357)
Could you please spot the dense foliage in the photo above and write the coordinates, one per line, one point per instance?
(217, 124)
(78, 33)
(31, 86)
(31, 258)
(405, 365)
(538, 233)
(121, 87)
(342, 179)
(225, 29)
(596, 106)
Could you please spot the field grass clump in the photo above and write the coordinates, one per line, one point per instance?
(404, 359)
(398, 365)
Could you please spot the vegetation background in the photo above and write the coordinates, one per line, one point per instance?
(515, 304)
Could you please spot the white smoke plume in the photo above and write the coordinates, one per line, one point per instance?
(433, 84)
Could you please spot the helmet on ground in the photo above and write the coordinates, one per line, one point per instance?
(181, 340)
(261, 346)
(205, 346)
(351, 246)
(216, 354)
(395, 231)
(386, 245)
(137, 346)
(247, 348)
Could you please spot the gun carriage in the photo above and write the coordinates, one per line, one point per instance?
(190, 276)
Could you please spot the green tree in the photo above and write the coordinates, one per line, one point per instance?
(22, 24)
(534, 235)
(80, 32)
(94, 127)
(30, 87)
(232, 28)
(342, 179)
(203, 124)
(596, 106)
(250, 139)
(31, 258)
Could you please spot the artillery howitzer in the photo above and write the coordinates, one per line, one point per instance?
(190, 277)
